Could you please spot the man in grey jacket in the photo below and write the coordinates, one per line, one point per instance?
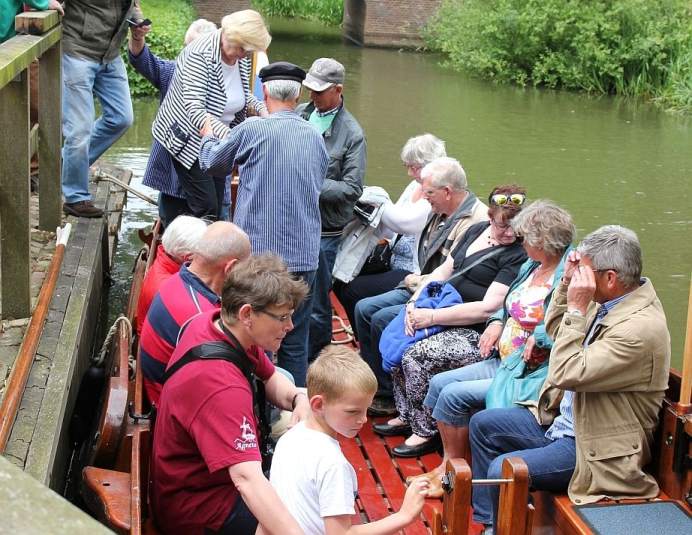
(343, 184)
(93, 32)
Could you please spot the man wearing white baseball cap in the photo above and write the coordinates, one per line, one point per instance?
(343, 184)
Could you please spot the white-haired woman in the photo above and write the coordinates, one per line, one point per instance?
(177, 245)
(211, 81)
(405, 219)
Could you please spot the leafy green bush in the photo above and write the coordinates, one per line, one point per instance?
(170, 19)
(627, 47)
(328, 11)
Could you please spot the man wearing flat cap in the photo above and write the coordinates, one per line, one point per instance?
(343, 185)
(282, 161)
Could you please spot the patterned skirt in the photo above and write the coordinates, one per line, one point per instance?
(448, 350)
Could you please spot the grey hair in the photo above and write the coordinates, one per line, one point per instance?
(283, 90)
(221, 242)
(545, 225)
(198, 28)
(181, 236)
(445, 171)
(423, 149)
(617, 248)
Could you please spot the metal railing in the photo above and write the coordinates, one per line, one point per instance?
(38, 38)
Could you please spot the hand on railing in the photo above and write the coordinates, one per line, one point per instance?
(57, 6)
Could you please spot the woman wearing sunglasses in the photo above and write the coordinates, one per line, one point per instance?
(485, 262)
(547, 231)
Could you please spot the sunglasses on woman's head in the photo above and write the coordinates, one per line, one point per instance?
(501, 199)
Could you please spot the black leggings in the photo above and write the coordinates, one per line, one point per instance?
(203, 193)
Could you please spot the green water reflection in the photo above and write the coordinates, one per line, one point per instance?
(606, 160)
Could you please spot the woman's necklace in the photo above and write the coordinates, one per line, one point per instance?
(492, 242)
(542, 274)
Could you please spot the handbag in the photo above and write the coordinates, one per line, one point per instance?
(515, 383)
(435, 295)
(380, 259)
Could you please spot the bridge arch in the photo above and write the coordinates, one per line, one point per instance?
(386, 23)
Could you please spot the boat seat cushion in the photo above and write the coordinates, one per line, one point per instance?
(649, 518)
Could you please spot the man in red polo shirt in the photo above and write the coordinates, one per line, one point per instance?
(206, 462)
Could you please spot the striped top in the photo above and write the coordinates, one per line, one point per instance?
(197, 91)
(180, 298)
(282, 162)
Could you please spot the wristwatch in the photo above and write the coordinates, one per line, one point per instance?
(575, 312)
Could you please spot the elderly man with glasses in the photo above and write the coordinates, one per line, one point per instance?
(592, 430)
(454, 210)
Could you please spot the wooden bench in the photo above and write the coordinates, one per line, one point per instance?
(671, 454)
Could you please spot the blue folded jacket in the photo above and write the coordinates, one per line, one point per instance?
(394, 341)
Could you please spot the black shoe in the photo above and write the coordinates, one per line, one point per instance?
(388, 430)
(429, 446)
(82, 209)
(382, 407)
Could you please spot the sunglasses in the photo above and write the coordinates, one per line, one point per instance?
(501, 199)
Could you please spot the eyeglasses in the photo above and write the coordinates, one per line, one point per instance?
(501, 226)
(501, 199)
(413, 166)
(285, 318)
(429, 192)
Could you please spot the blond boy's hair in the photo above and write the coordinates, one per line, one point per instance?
(338, 370)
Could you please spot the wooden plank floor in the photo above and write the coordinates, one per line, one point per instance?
(382, 477)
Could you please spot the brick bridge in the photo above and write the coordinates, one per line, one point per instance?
(389, 23)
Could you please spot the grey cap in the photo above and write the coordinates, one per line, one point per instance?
(324, 73)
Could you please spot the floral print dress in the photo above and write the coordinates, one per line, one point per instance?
(525, 308)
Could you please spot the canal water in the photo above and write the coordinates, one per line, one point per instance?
(606, 160)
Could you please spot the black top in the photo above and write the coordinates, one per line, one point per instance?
(502, 267)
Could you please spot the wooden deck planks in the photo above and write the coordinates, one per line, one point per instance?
(370, 497)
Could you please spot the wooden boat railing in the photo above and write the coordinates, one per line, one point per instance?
(515, 514)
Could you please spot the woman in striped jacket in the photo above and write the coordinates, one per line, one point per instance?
(212, 79)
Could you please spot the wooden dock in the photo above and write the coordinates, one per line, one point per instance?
(39, 442)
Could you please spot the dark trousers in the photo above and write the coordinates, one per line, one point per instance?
(321, 316)
(171, 207)
(293, 353)
(203, 193)
(366, 286)
(240, 521)
(372, 316)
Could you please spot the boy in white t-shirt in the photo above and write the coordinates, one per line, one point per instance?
(310, 473)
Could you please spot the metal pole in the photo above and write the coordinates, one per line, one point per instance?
(22, 366)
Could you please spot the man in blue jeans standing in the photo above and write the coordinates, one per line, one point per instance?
(93, 32)
(342, 186)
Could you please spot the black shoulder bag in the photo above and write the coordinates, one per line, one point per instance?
(222, 350)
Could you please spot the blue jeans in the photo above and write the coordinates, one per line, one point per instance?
(454, 395)
(321, 318)
(293, 353)
(85, 140)
(372, 315)
(499, 433)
